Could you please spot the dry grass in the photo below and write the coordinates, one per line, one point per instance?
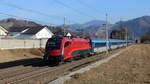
(131, 67)
(18, 54)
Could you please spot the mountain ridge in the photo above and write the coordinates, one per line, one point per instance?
(137, 27)
(13, 22)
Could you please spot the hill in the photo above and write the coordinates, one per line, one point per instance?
(136, 27)
(90, 27)
(12, 22)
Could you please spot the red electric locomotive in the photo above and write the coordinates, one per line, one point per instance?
(62, 48)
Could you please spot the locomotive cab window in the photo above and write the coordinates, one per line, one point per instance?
(67, 44)
(53, 44)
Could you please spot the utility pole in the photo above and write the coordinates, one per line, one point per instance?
(65, 26)
(126, 30)
(134, 36)
(107, 35)
(121, 33)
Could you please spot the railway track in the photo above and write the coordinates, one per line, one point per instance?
(21, 69)
(17, 65)
(41, 73)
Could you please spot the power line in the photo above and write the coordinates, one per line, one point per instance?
(44, 14)
(33, 11)
(24, 18)
(30, 10)
(73, 9)
(87, 5)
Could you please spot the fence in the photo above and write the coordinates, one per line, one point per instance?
(22, 43)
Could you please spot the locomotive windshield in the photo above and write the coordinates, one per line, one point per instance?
(53, 43)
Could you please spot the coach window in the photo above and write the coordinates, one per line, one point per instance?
(100, 44)
(67, 44)
(114, 43)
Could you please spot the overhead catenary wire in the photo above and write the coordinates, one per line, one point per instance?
(25, 18)
(88, 6)
(35, 11)
(30, 10)
(74, 9)
(47, 15)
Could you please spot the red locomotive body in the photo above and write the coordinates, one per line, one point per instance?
(63, 48)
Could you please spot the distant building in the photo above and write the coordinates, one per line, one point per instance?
(118, 34)
(3, 32)
(69, 34)
(35, 33)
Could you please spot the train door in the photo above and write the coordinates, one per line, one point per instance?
(67, 48)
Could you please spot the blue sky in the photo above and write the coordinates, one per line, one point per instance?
(77, 11)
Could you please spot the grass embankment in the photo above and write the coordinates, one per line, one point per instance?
(18, 54)
(131, 67)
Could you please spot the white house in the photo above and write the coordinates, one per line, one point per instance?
(35, 33)
(3, 31)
